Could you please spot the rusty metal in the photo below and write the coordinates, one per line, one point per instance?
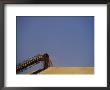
(34, 60)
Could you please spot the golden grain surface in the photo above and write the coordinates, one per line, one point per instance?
(68, 70)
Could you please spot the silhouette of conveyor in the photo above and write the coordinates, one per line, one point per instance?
(35, 60)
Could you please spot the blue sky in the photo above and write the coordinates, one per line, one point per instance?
(69, 40)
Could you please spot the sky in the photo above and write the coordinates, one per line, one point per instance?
(69, 40)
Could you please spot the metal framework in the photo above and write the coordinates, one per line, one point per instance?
(35, 60)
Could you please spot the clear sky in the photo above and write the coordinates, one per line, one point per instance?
(69, 40)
